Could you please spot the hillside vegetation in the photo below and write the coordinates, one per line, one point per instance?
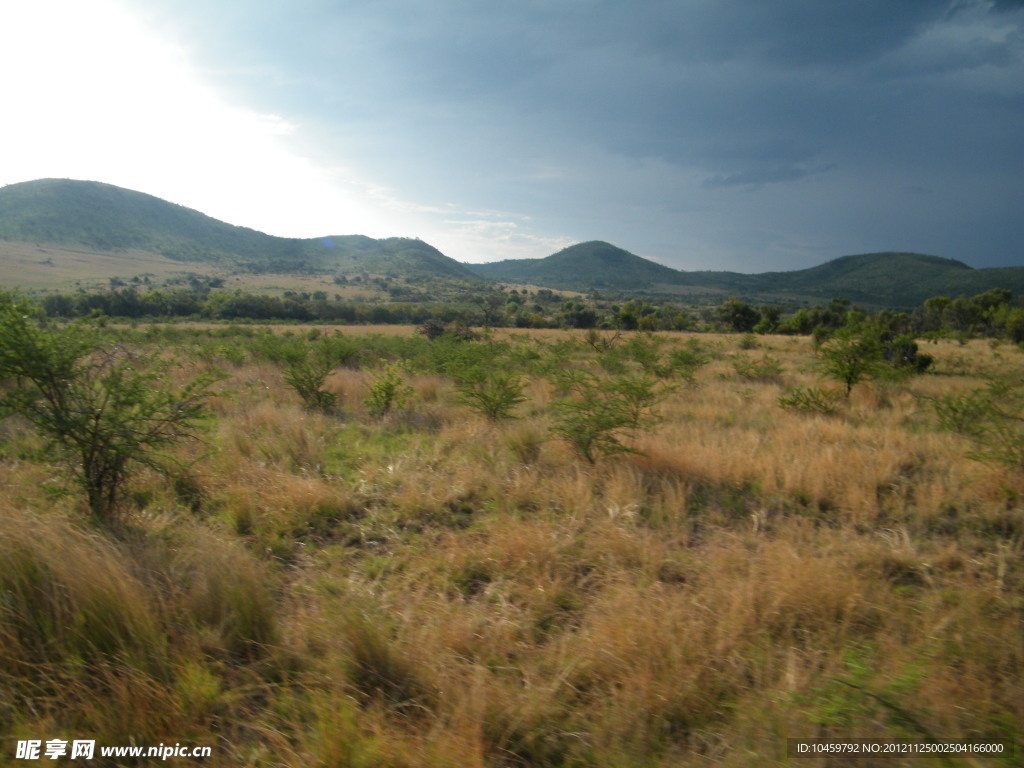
(876, 279)
(108, 218)
(585, 265)
(67, 220)
(544, 548)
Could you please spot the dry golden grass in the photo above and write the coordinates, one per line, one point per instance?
(28, 265)
(433, 589)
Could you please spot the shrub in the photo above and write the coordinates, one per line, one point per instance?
(307, 378)
(811, 400)
(493, 394)
(308, 369)
(645, 351)
(106, 410)
(388, 391)
(901, 353)
(685, 362)
(636, 395)
(596, 417)
(992, 417)
(748, 341)
(849, 358)
(767, 368)
(600, 342)
(432, 328)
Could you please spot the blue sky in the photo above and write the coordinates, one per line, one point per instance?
(704, 134)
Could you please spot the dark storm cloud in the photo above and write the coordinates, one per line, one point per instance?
(652, 111)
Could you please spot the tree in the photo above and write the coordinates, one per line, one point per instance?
(738, 316)
(104, 409)
(1014, 325)
(850, 358)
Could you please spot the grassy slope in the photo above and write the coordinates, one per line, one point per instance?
(103, 218)
(63, 267)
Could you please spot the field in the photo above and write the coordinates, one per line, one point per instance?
(42, 268)
(31, 266)
(421, 585)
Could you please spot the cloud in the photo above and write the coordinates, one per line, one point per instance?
(478, 241)
(100, 96)
(691, 131)
(757, 178)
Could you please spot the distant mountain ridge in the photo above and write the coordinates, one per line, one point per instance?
(892, 279)
(102, 218)
(105, 217)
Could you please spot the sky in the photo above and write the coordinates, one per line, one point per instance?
(742, 135)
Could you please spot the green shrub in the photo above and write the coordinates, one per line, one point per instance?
(600, 342)
(598, 417)
(992, 417)
(748, 341)
(901, 353)
(850, 358)
(388, 391)
(811, 400)
(685, 362)
(105, 409)
(492, 393)
(307, 378)
(767, 368)
(308, 368)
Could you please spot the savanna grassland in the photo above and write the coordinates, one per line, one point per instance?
(379, 573)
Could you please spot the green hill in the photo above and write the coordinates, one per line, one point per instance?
(105, 218)
(889, 278)
(594, 264)
(875, 279)
(128, 232)
(394, 256)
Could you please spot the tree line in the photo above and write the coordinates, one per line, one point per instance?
(995, 313)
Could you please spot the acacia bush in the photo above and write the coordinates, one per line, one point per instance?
(602, 416)
(307, 378)
(105, 409)
(493, 393)
(309, 365)
(388, 391)
(850, 358)
(992, 417)
(811, 400)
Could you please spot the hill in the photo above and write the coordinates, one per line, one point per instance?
(58, 231)
(887, 279)
(101, 218)
(593, 264)
(875, 278)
